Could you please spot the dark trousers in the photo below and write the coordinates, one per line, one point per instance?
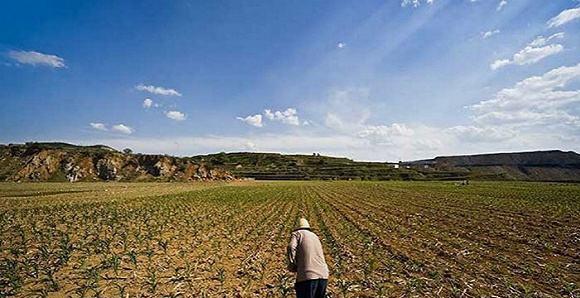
(315, 288)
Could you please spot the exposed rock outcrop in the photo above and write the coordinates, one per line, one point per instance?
(553, 165)
(535, 158)
(64, 162)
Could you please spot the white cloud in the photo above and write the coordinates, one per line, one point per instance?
(268, 114)
(403, 138)
(531, 55)
(499, 63)
(98, 126)
(543, 122)
(534, 52)
(122, 128)
(348, 114)
(542, 41)
(395, 129)
(175, 115)
(425, 143)
(36, 58)
(478, 134)
(341, 45)
(249, 145)
(501, 4)
(385, 133)
(540, 112)
(338, 145)
(564, 17)
(414, 3)
(537, 113)
(289, 116)
(537, 102)
(347, 109)
(147, 103)
(255, 120)
(157, 90)
(334, 121)
(488, 34)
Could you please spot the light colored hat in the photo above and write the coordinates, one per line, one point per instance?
(303, 224)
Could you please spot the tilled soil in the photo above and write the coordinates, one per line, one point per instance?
(381, 239)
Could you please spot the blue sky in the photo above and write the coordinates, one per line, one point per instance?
(371, 80)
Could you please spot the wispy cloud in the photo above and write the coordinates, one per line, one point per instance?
(157, 90)
(564, 17)
(499, 63)
(478, 134)
(286, 143)
(36, 58)
(253, 120)
(535, 51)
(122, 128)
(385, 133)
(501, 5)
(175, 115)
(98, 126)
(347, 110)
(414, 3)
(490, 33)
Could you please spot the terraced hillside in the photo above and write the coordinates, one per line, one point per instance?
(66, 162)
(218, 239)
(273, 166)
(525, 166)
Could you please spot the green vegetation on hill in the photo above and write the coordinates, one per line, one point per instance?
(273, 166)
(61, 162)
(63, 146)
(532, 166)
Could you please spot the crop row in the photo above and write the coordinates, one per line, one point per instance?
(387, 239)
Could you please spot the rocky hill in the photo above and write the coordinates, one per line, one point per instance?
(65, 162)
(526, 166)
(553, 158)
(551, 165)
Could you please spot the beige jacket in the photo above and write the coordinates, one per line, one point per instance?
(305, 256)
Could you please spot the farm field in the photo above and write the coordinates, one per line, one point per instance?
(217, 239)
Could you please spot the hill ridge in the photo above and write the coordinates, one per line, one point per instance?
(55, 161)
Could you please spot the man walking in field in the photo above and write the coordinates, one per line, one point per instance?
(306, 258)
